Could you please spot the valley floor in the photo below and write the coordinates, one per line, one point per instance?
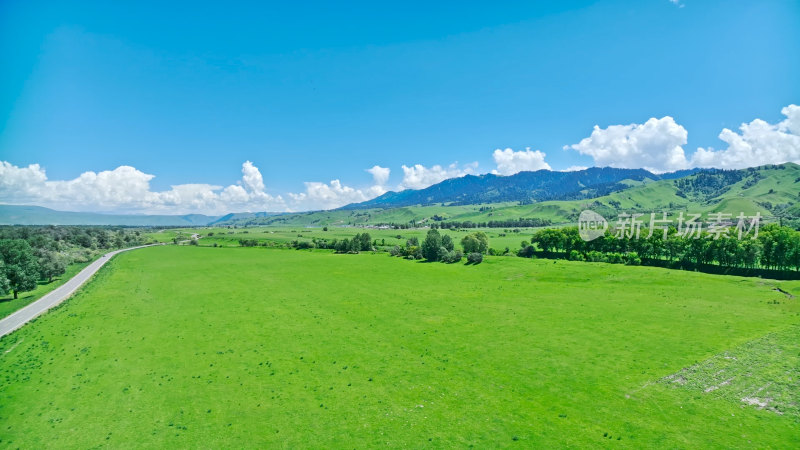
(181, 346)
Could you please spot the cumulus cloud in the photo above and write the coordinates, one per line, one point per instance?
(127, 189)
(510, 162)
(380, 174)
(758, 143)
(335, 194)
(420, 177)
(330, 195)
(655, 145)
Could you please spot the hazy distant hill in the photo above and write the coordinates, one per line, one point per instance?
(523, 187)
(36, 215)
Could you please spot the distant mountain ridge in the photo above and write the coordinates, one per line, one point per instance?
(37, 215)
(523, 187)
(771, 190)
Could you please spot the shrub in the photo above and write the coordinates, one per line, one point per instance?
(453, 256)
(595, 256)
(632, 259)
(575, 255)
(475, 258)
(526, 252)
(441, 254)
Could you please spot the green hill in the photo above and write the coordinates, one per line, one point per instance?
(772, 190)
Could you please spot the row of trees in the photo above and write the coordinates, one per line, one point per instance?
(30, 254)
(509, 223)
(361, 242)
(439, 222)
(776, 247)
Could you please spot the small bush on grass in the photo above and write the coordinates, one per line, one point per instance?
(475, 258)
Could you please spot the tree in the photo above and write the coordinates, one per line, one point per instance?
(431, 245)
(51, 264)
(476, 242)
(342, 246)
(364, 242)
(4, 284)
(549, 239)
(20, 266)
(447, 242)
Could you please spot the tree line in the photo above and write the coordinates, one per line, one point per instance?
(776, 247)
(509, 223)
(32, 254)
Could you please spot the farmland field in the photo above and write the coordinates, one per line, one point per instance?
(181, 346)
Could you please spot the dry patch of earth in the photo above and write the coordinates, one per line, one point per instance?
(763, 373)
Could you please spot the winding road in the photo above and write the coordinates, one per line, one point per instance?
(58, 295)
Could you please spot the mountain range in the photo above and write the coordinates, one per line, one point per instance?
(555, 197)
(523, 187)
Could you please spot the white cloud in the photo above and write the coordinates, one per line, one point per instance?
(574, 168)
(251, 177)
(420, 177)
(126, 189)
(380, 175)
(335, 194)
(655, 145)
(677, 3)
(758, 143)
(510, 162)
(332, 195)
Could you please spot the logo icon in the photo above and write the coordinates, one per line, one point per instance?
(591, 225)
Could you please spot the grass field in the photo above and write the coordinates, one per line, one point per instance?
(8, 304)
(252, 347)
(499, 238)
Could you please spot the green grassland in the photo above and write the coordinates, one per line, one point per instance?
(183, 346)
(499, 238)
(8, 304)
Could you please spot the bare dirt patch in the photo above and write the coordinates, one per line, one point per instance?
(763, 373)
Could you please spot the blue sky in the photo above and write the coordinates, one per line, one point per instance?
(314, 92)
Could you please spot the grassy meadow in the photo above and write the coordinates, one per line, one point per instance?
(183, 346)
(499, 238)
